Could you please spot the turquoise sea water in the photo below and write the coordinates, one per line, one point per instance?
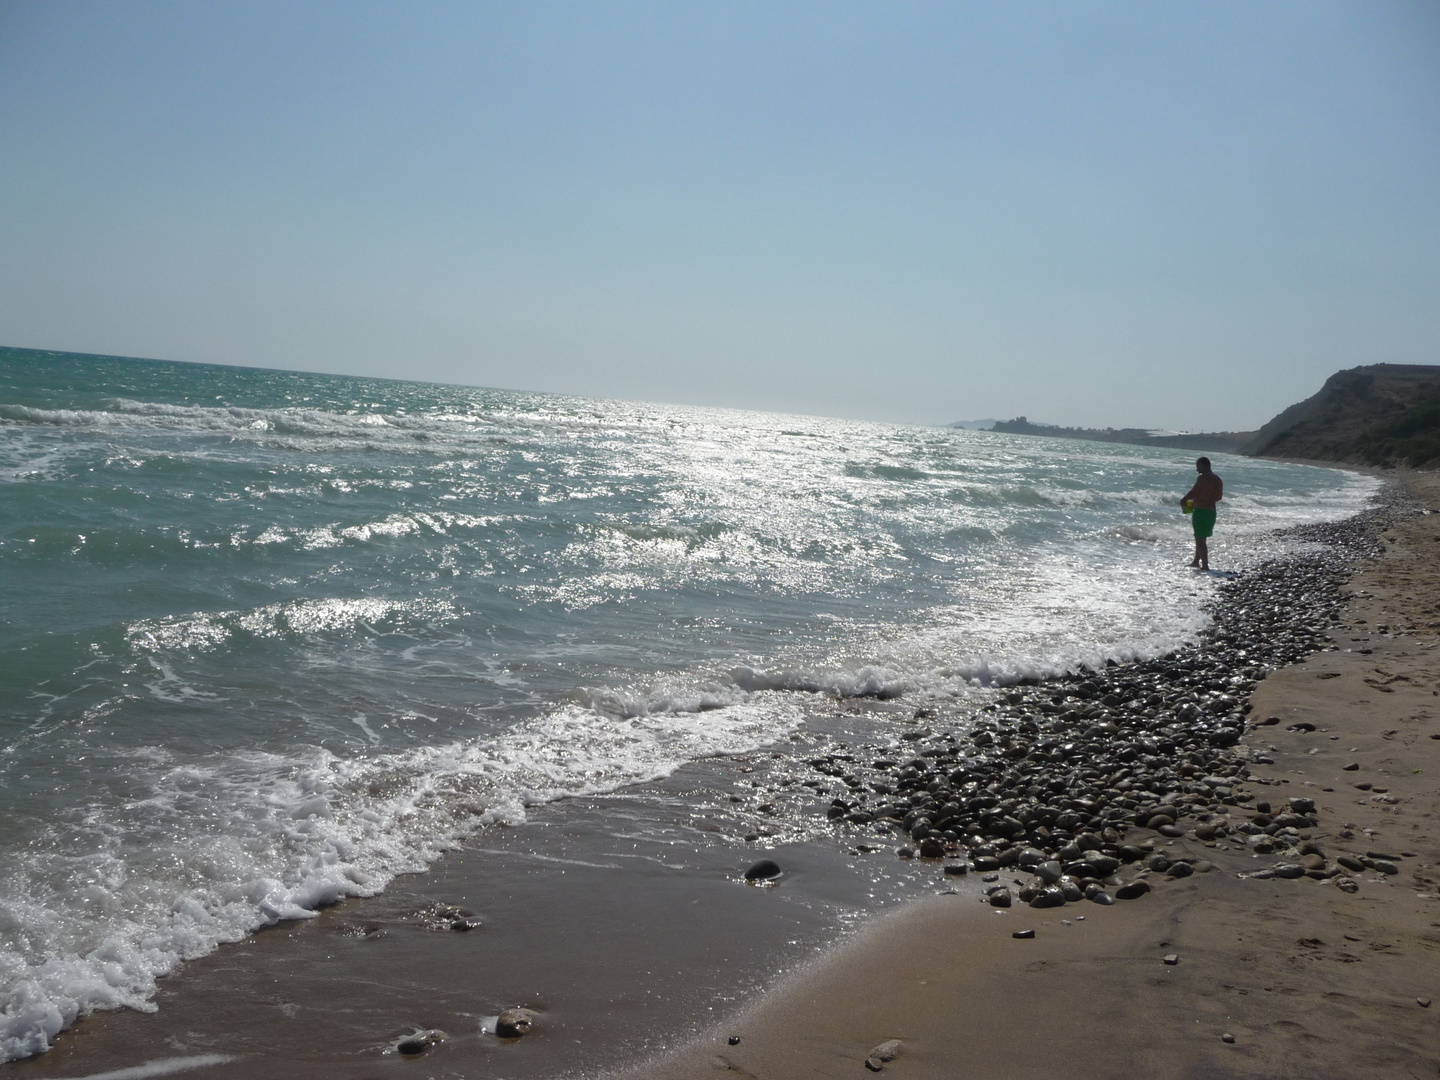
(271, 638)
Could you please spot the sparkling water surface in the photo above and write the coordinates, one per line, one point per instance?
(271, 638)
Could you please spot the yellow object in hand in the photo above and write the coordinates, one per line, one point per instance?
(1186, 507)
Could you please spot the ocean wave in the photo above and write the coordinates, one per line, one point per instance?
(206, 631)
(269, 837)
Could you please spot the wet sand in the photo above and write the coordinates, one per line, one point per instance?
(1304, 979)
(623, 921)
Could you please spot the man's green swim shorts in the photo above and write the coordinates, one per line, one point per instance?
(1204, 522)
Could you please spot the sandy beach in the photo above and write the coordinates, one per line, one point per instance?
(643, 956)
(1215, 975)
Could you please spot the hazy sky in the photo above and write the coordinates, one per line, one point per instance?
(1180, 214)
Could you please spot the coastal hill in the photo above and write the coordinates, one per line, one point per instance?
(1378, 414)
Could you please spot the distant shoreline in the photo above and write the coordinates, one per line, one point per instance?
(1383, 415)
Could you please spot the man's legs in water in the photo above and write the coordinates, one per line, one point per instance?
(1203, 519)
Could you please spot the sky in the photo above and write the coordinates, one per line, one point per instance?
(1182, 215)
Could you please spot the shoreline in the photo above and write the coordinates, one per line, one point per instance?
(757, 931)
(1230, 972)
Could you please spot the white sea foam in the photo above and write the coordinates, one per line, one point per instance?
(267, 838)
(157, 1067)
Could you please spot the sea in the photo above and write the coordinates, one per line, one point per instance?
(269, 639)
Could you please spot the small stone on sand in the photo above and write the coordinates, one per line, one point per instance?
(1133, 890)
(886, 1051)
(513, 1023)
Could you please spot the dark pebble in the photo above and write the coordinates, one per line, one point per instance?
(418, 1042)
(1028, 857)
(513, 1023)
(760, 871)
(1024, 935)
(1049, 872)
(1132, 890)
(1289, 870)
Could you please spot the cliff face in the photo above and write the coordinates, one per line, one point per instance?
(1378, 414)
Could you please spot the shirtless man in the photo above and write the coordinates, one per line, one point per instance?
(1208, 491)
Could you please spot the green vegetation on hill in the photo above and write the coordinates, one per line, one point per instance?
(1380, 414)
(1414, 437)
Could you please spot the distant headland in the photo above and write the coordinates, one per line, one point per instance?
(1378, 414)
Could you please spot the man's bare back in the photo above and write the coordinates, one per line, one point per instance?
(1209, 489)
